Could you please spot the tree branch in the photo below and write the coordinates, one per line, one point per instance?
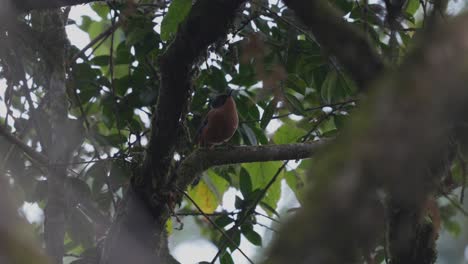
(28, 5)
(347, 43)
(31, 153)
(140, 228)
(59, 149)
(202, 159)
(207, 22)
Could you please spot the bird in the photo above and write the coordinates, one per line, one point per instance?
(220, 123)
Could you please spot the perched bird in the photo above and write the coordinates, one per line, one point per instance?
(220, 123)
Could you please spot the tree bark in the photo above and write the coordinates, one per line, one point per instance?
(56, 145)
(202, 159)
(28, 5)
(147, 204)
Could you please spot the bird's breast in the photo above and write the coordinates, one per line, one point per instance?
(222, 123)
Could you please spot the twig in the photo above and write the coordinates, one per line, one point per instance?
(214, 224)
(252, 207)
(267, 227)
(35, 156)
(463, 184)
(268, 217)
(305, 110)
(456, 204)
(205, 214)
(103, 35)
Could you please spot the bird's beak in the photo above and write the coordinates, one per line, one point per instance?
(230, 92)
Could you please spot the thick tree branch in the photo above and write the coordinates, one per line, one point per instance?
(400, 148)
(202, 159)
(52, 26)
(349, 45)
(27, 5)
(11, 8)
(208, 22)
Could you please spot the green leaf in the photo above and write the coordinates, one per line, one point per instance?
(217, 80)
(340, 121)
(288, 134)
(102, 60)
(119, 173)
(249, 134)
(296, 83)
(251, 235)
(235, 236)
(452, 227)
(245, 182)
(259, 134)
(216, 183)
(178, 10)
(261, 173)
(239, 203)
(111, 140)
(98, 174)
(329, 86)
(123, 55)
(101, 9)
(412, 6)
(295, 182)
(226, 258)
(86, 22)
(223, 221)
(246, 76)
(327, 126)
(268, 112)
(137, 34)
(270, 209)
(344, 5)
(295, 103)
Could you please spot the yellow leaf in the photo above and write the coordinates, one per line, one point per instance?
(204, 197)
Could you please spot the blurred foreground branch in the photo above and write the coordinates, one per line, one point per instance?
(397, 145)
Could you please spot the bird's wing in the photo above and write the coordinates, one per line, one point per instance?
(200, 130)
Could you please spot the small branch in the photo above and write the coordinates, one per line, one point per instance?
(202, 159)
(105, 34)
(340, 104)
(251, 208)
(226, 236)
(463, 174)
(183, 213)
(456, 204)
(31, 153)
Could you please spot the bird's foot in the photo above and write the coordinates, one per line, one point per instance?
(225, 146)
